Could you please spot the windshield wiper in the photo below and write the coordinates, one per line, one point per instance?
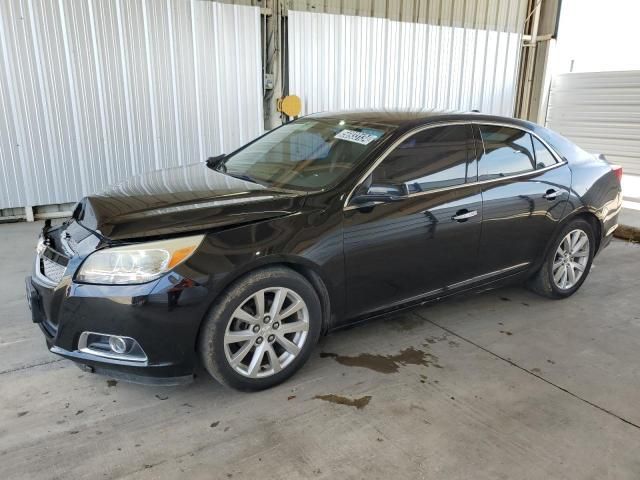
(217, 164)
(243, 176)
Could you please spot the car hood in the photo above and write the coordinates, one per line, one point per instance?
(181, 199)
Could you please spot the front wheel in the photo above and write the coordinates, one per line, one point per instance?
(261, 330)
(568, 262)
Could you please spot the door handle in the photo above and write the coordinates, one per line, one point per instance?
(551, 194)
(464, 215)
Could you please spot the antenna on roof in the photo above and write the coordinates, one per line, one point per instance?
(475, 110)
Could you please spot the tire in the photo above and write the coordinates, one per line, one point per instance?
(544, 283)
(229, 338)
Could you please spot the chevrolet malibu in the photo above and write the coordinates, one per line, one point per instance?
(242, 262)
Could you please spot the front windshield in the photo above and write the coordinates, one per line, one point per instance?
(307, 154)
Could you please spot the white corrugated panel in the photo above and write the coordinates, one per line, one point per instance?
(600, 112)
(479, 14)
(346, 62)
(94, 91)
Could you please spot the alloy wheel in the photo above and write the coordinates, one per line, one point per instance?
(570, 260)
(266, 332)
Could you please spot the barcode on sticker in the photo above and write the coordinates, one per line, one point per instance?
(356, 137)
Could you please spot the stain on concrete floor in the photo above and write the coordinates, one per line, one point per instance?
(405, 323)
(434, 339)
(386, 363)
(359, 403)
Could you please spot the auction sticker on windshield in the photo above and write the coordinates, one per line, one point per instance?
(356, 137)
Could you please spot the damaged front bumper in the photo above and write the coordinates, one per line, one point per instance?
(162, 318)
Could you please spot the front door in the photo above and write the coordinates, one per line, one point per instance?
(425, 237)
(524, 195)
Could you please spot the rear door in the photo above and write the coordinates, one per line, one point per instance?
(425, 240)
(524, 193)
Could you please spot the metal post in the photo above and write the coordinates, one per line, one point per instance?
(533, 76)
(272, 60)
(529, 58)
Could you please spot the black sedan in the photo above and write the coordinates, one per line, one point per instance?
(243, 262)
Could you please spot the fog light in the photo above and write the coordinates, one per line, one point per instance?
(118, 344)
(114, 347)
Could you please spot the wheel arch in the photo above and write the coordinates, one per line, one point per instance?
(585, 214)
(593, 220)
(310, 271)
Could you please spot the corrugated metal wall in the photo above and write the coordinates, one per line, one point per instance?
(342, 62)
(600, 112)
(451, 13)
(474, 14)
(94, 91)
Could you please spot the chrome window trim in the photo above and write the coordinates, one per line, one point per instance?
(560, 161)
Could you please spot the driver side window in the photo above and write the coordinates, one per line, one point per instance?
(431, 159)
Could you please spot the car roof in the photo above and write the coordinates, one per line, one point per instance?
(405, 119)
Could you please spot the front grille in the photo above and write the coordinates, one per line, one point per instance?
(73, 245)
(52, 270)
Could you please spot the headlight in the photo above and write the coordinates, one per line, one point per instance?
(138, 263)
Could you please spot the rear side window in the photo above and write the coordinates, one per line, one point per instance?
(507, 151)
(431, 159)
(544, 158)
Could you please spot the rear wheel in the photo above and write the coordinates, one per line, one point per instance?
(568, 261)
(261, 330)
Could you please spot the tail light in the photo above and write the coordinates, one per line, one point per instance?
(617, 170)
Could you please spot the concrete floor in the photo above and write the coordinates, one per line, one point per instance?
(630, 216)
(499, 385)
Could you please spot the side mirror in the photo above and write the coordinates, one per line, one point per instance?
(377, 193)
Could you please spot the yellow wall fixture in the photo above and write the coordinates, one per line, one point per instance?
(291, 105)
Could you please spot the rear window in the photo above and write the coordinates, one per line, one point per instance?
(544, 158)
(507, 151)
